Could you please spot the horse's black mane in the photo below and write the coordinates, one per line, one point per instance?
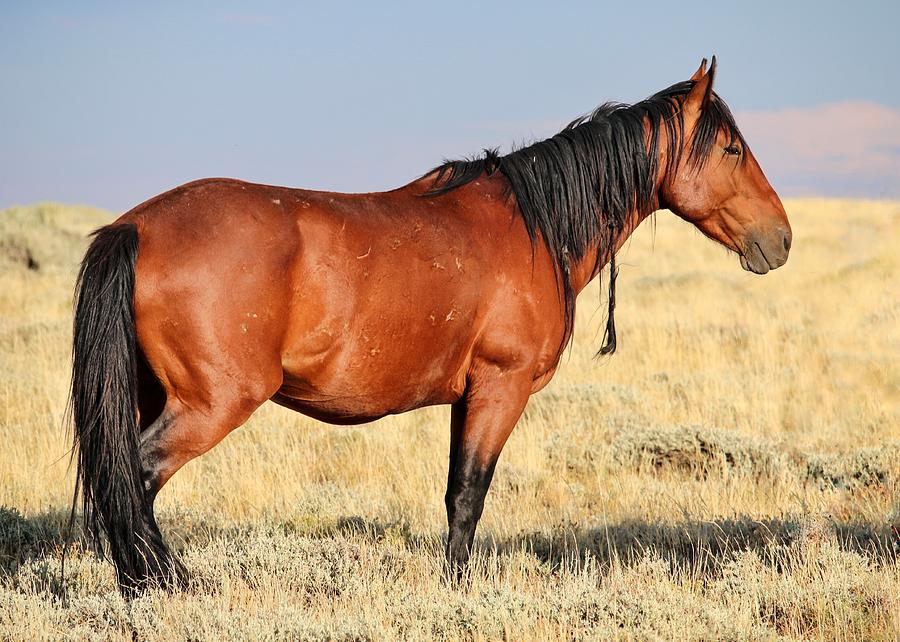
(580, 185)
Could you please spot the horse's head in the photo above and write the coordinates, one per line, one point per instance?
(716, 183)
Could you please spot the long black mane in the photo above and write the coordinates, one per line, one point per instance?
(577, 188)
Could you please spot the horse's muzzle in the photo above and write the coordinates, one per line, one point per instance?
(766, 251)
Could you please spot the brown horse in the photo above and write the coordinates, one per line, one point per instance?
(199, 305)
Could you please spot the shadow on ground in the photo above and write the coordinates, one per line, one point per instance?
(700, 545)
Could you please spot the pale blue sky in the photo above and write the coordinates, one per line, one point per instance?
(108, 103)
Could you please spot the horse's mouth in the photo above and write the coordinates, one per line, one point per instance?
(757, 267)
(753, 259)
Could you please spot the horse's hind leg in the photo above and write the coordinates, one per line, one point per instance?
(181, 433)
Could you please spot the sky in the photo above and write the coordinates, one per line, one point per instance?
(110, 103)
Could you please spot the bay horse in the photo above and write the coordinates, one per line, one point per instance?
(197, 306)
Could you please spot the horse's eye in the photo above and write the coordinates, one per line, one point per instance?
(733, 150)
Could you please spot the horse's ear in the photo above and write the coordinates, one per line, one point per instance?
(700, 71)
(702, 91)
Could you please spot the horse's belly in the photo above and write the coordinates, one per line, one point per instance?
(353, 384)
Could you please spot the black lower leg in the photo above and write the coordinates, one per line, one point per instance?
(465, 503)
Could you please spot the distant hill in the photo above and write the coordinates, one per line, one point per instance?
(47, 236)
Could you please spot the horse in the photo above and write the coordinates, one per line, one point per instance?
(197, 306)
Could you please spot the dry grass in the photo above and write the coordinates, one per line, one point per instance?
(732, 473)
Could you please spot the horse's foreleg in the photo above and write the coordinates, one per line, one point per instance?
(481, 422)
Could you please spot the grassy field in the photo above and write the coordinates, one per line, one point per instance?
(733, 472)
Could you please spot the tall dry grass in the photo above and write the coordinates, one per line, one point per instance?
(731, 473)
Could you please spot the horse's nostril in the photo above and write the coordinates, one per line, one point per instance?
(787, 242)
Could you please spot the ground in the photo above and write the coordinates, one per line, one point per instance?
(733, 472)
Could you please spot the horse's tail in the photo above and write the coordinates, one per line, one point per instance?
(104, 411)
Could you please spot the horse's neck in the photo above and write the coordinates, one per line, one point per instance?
(587, 268)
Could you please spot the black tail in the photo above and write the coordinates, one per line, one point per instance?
(104, 409)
